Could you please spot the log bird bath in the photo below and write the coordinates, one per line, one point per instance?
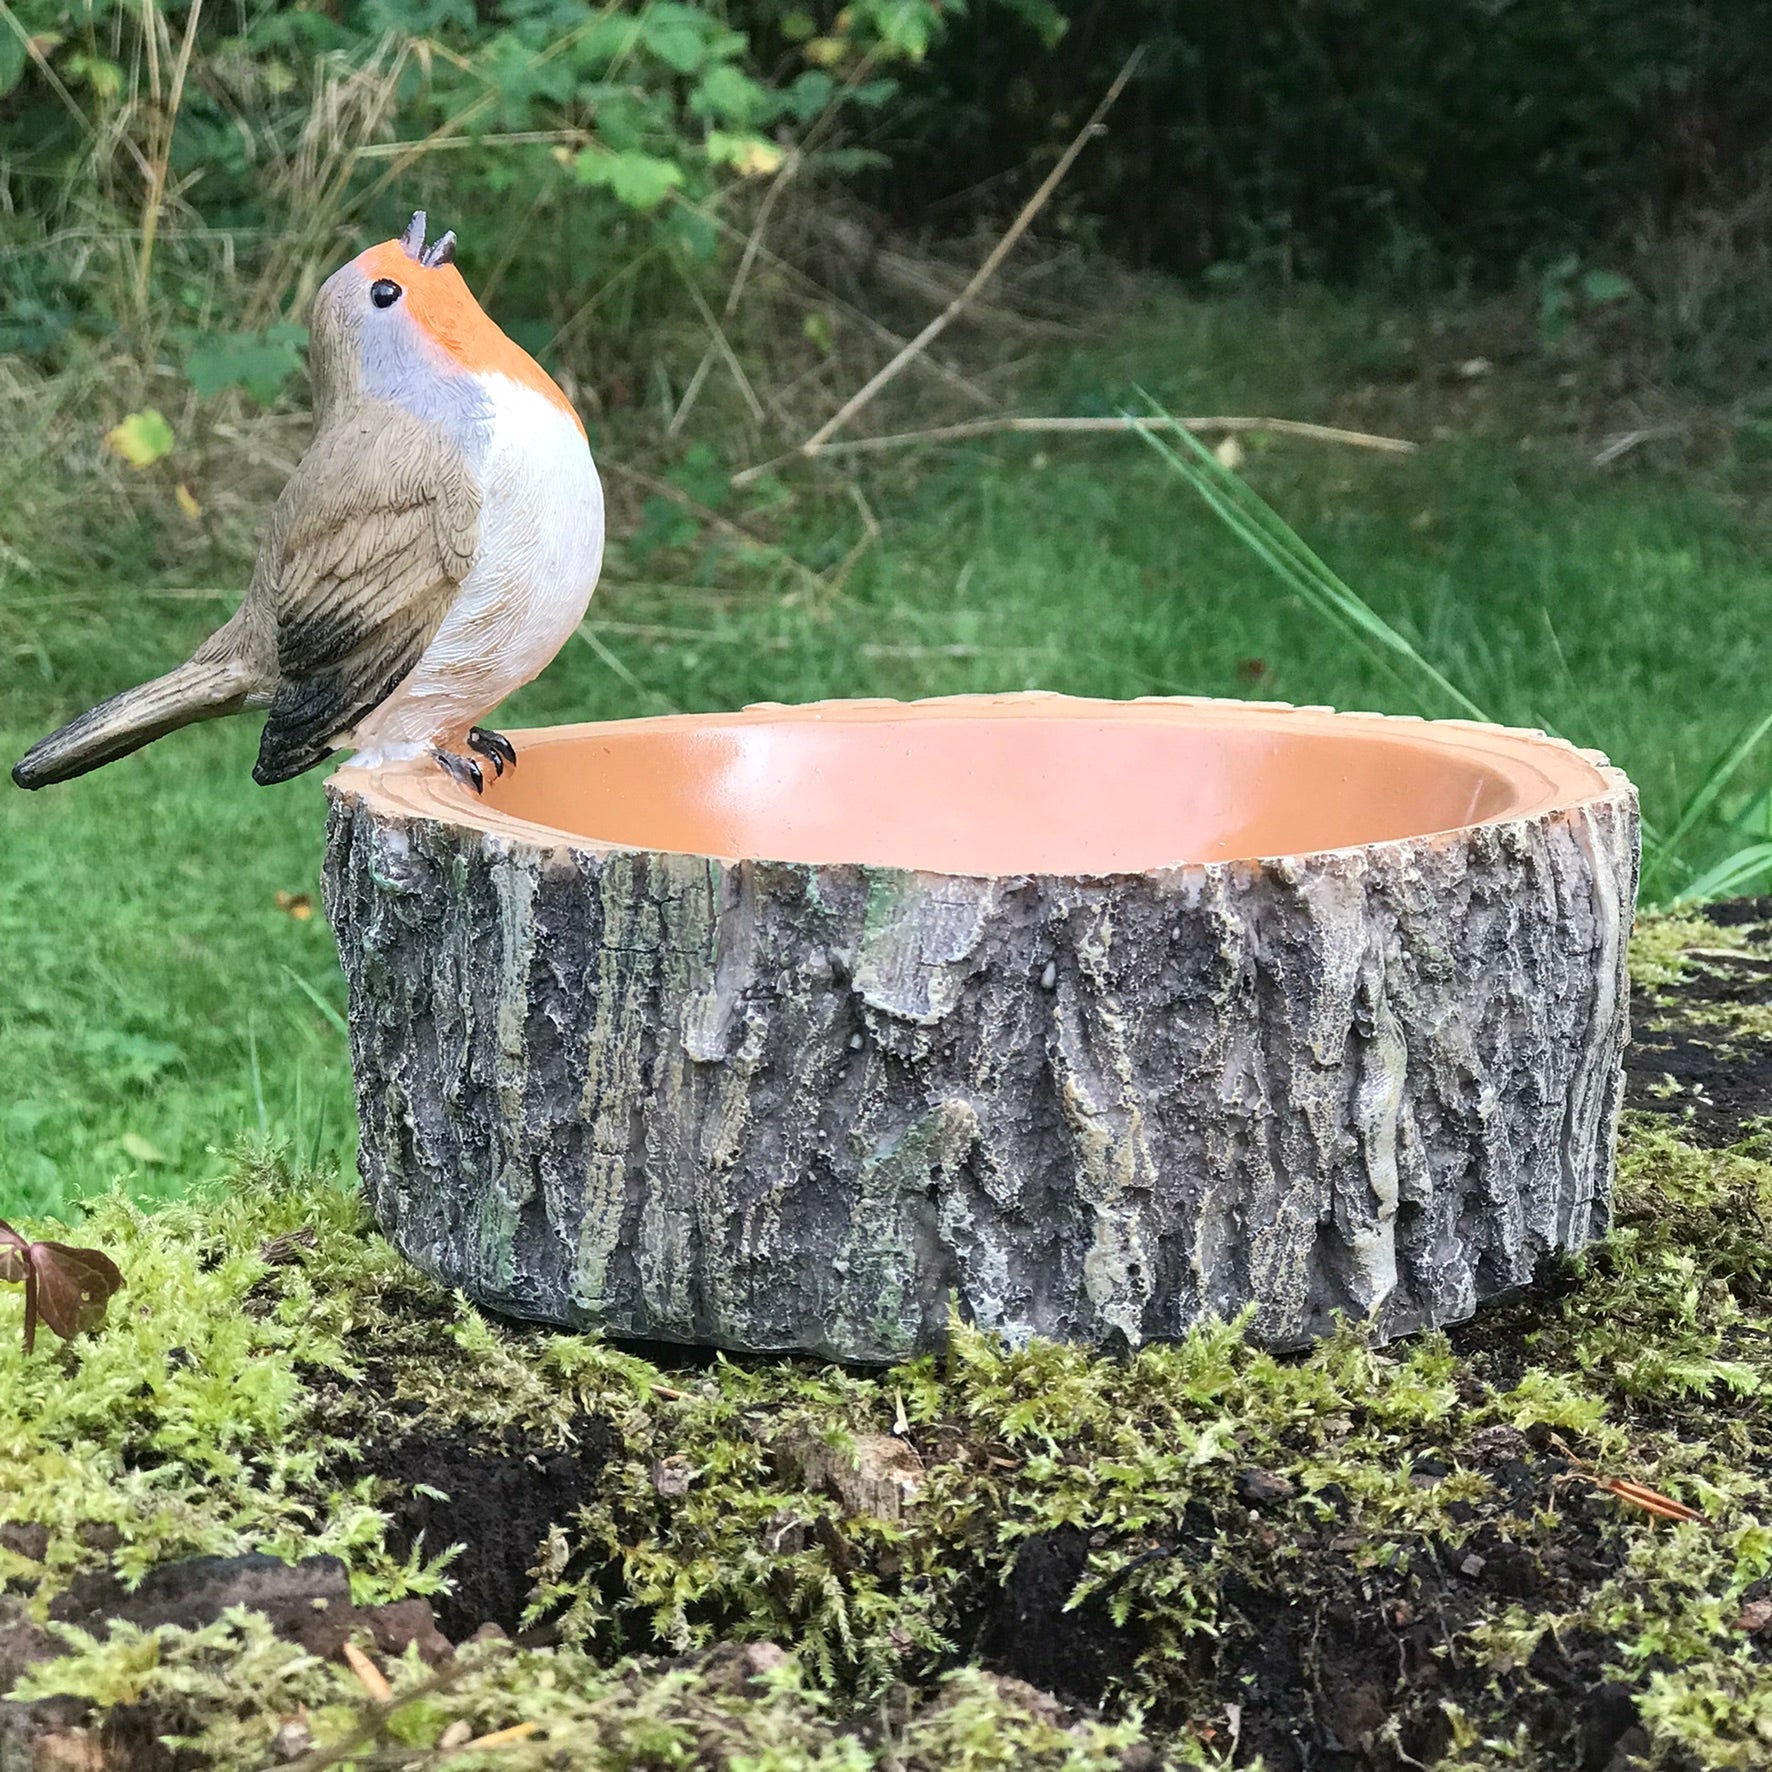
(812, 1027)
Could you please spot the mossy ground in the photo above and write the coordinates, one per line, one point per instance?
(1207, 1554)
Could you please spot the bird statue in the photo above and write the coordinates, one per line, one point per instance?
(432, 551)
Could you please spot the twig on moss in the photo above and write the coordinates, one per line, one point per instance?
(1651, 1501)
(499, 1738)
(372, 1718)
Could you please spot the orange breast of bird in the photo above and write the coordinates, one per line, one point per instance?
(442, 304)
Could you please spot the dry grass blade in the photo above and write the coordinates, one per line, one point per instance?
(587, 633)
(167, 125)
(717, 343)
(722, 345)
(369, 1676)
(797, 274)
(982, 275)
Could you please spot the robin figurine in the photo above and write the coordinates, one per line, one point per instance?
(432, 551)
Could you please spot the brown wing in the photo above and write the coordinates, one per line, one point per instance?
(363, 557)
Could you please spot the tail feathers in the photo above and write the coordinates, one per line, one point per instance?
(198, 690)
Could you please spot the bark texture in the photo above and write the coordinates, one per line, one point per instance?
(770, 1106)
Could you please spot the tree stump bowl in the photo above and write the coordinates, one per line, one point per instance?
(811, 1027)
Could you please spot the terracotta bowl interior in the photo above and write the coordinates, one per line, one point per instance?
(1027, 784)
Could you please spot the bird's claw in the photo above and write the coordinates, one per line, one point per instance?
(495, 747)
(464, 769)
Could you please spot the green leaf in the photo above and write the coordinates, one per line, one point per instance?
(611, 39)
(906, 25)
(663, 524)
(1604, 286)
(753, 155)
(700, 475)
(625, 120)
(733, 97)
(641, 181)
(141, 439)
(524, 80)
(677, 35)
(809, 94)
(695, 232)
(1042, 16)
(104, 78)
(419, 18)
(259, 362)
(13, 60)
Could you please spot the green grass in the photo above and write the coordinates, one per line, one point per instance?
(146, 961)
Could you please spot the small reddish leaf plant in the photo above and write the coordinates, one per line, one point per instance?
(66, 1288)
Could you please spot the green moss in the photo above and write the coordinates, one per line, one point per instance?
(266, 1331)
(184, 1427)
(1661, 946)
(567, 1713)
(1729, 1027)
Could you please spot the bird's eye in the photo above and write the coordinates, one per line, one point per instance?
(384, 292)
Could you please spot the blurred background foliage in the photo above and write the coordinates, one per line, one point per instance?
(1347, 138)
(179, 174)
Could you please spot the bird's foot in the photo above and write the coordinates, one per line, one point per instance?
(464, 769)
(495, 747)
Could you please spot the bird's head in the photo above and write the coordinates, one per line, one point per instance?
(399, 322)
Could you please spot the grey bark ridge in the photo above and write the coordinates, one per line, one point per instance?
(764, 1105)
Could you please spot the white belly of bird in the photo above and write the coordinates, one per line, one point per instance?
(539, 549)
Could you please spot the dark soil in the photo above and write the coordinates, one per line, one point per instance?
(502, 1499)
(1342, 1666)
(1029, 1633)
(1682, 1062)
